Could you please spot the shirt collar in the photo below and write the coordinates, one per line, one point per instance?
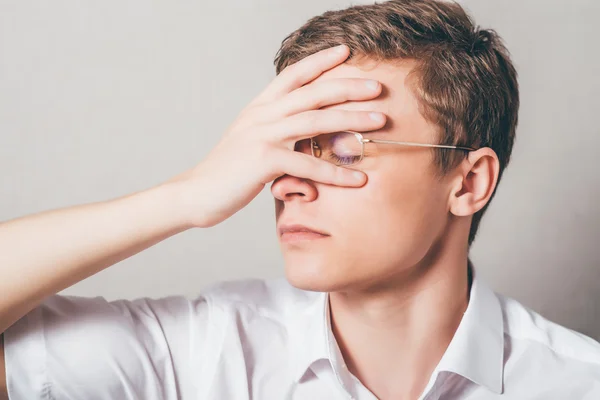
(476, 351)
(316, 342)
(311, 336)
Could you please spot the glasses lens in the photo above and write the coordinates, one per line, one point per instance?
(303, 146)
(340, 148)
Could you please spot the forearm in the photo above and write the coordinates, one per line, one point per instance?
(44, 253)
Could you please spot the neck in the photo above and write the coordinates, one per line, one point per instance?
(403, 328)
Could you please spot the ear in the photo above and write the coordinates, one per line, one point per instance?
(478, 175)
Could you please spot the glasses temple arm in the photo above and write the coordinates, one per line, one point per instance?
(442, 146)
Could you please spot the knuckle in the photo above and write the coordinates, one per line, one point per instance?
(288, 70)
(334, 91)
(312, 121)
(315, 94)
(254, 115)
(338, 174)
(325, 168)
(359, 86)
(259, 114)
(263, 153)
(297, 72)
(363, 119)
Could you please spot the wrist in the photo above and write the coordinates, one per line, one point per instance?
(167, 201)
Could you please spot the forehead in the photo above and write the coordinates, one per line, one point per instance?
(397, 99)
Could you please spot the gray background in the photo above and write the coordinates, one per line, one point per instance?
(102, 98)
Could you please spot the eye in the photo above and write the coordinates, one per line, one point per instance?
(341, 148)
(344, 160)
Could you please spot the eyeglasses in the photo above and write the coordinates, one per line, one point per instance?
(348, 148)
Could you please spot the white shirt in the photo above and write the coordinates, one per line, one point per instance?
(258, 339)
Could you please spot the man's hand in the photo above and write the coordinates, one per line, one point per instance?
(67, 245)
(259, 146)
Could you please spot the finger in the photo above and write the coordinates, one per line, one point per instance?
(302, 72)
(308, 167)
(316, 122)
(320, 94)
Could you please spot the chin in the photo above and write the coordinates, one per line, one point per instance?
(312, 272)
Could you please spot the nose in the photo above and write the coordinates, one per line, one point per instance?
(288, 188)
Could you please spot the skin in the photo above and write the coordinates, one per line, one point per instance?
(67, 245)
(71, 244)
(395, 256)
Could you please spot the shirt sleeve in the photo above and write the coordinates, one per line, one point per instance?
(89, 348)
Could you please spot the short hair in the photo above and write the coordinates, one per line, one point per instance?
(463, 77)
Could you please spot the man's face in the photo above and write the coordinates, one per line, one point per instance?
(382, 230)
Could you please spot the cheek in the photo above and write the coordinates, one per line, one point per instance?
(397, 195)
(397, 209)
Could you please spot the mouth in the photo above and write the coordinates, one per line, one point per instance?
(293, 233)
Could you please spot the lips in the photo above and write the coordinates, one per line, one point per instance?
(296, 228)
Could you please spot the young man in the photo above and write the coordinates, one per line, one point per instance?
(384, 155)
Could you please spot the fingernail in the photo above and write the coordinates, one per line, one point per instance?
(340, 48)
(359, 176)
(371, 84)
(376, 116)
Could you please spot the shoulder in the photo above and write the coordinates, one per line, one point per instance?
(534, 338)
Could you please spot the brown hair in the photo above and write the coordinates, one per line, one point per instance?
(464, 79)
